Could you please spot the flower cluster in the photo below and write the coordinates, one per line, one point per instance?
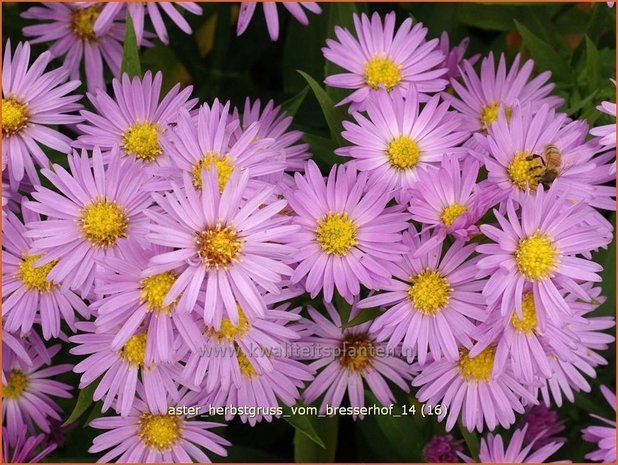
(193, 254)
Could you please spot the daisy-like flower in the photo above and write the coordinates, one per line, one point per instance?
(27, 449)
(71, 27)
(349, 359)
(442, 449)
(543, 424)
(454, 57)
(233, 247)
(28, 391)
(468, 386)
(100, 207)
(135, 119)
(32, 99)
(518, 450)
(348, 235)
(481, 97)
(607, 133)
(396, 138)
(21, 348)
(139, 10)
(297, 9)
(28, 293)
(381, 58)
(154, 437)
(603, 436)
(124, 371)
(539, 247)
(432, 302)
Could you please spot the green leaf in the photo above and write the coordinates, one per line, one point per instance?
(333, 115)
(343, 308)
(488, 17)
(306, 450)
(94, 413)
(84, 401)
(593, 65)
(471, 439)
(292, 105)
(323, 150)
(303, 424)
(363, 317)
(545, 55)
(130, 53)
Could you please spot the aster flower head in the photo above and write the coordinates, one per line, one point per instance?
(234, 247)
(381, 58)
(27, 449)
(350, 358)
(432, 303)
(156, 437)
(70, 26)
(136, 119)
(347, 235)
(603, 436)
(33, 99)
(442, 449)
(100, 207)
(607, 133)
(543, 424)
(297, 9)
(29, 295)
(481, 97)
(397, 137)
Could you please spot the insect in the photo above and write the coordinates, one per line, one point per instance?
(547, 169)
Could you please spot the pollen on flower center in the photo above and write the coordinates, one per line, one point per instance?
(103, 223)
(229, 331)
(14, 116)
(336, 233)
(82, 22)
(246, 368)
(224, 166)
(490, 112)
(218, 246)
(35, 277)
(159, 432)
(154, 289)
(451, 213)
(536, 257)
(142, 139)
(529, 322)
(357, 353)
(16, 385)
(524, 170)
(382, 71)
(478, 368)
(134, 351)
(429, 292)
(403, 153)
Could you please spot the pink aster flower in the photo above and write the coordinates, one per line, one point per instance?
(71, 27)
(349, 359)
(99, 208)
(454, 56)
(136, 119)
(396, 138)
(603, 436)
(28, 292)
(27, 449)
(480, 97)
(442, 449)
(518, 450)
(123, 371)
(139, 10)
(154, 437)
(28, 391)
(607, 133)
(21, 348)
(381, 58)
(272, 16)
(347, 235)
(33, 99)
(432, 302)
(543, 424)
(233, 247)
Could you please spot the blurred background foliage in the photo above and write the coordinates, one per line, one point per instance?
(576, 41)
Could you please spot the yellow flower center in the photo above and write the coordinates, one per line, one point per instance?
(229, 331)
(490, 112)
(524, 171)
(529, 322)
(16, 385)
(223, 164)
(382, 71)
(429, 292)
(536, 256)
(403, 153)
(218, 246)
(336, 233)
(246, 369)
(154, 289)
(82, 22)
(134, 351)
(357, 353)
(103, 223)
(478, 368)
(159, 432)
(451, 213)
(142, 139)
(35, 277)
(14, 116)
